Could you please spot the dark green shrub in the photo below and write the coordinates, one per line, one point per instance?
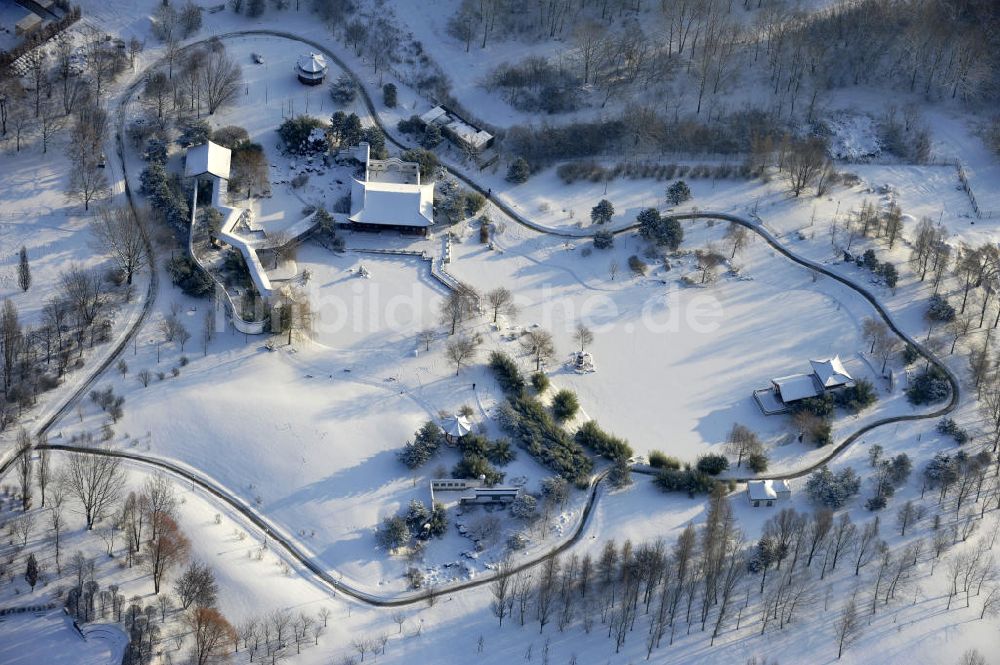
(592, 437)
(565, 404)
(712, 464)
(506, 372)
(539, 381)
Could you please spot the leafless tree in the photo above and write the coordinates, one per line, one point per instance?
(425, 337)
(11, 341)
(36, 65)
(167, 548)
(24, 467)
(221, 80)
(96, 481)
(22, 526)
(545, 591)
(905, 516)
(742, 442)
(867, 545)
(400, 619)
(87, 183)
(847, 628)
(43, 472)
(121, 234)
(461, 349)
(501, 589)
(583, 336)
(539, 345)
(82, 290)
(842, 537)
(501, 301)
(708, 261)
(460, 305)
(738, 237)
(213, 635)
(806, 160)
(57, 524)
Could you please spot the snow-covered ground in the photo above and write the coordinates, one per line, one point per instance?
(307, 434)
(50, 634)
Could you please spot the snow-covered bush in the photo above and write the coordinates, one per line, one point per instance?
(832, 490)
(604, 240)
(928, 387)
(939, 309)
(524, 506)
(949, 427)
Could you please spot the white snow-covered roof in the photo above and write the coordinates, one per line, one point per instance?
(433, 115)
(392, 203)
(830, 372)
(456, 426)
(472, 136)
(314, 63)
(209, 158)
(780, 486)
(796, 387)
(761, 490)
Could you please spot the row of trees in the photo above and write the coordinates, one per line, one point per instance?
(34, 358)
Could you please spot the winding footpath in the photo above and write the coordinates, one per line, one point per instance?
(289, 547)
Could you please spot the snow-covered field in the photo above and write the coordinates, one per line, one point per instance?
(51, 635)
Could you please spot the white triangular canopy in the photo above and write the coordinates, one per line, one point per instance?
(314, 63)
(456, 426)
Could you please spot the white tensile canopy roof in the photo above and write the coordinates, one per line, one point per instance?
(796, 387)
(314, 63)
(761, 490)
(830, 372)
(209, 158)
(456, 426)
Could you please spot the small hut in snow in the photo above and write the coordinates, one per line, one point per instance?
(455, 427)
(311, 69)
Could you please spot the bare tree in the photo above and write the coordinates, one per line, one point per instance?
(24, 466)
(539, 345)
(43, 472)
(501, 588)
(57, 524)
(501, 301)
(87, 183)
(82, 291)
(867, 545)
(221, 80)
(167, 548)
(847, 628)
(11, 342)
(743, 442)
(583, 336)
(738, 237)
(121, 234)
(460, 350)
(213, 635)
(460, 305)
(96, 481)
(806, 159)
(425, 337)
